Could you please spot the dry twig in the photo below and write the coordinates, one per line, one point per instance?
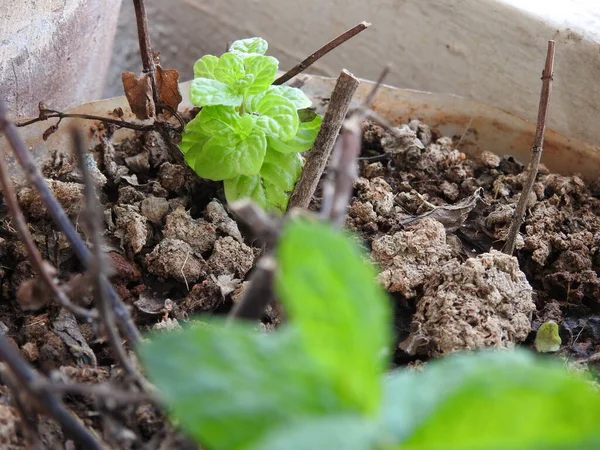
(61, 220)
(300, 67)
(98, 267)
(34, 385)
(35, 258)
(318, 156)
(536, 152)
(259, 292)
(146, 49)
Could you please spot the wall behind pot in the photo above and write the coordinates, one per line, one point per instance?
(55, 51)
(489, 50)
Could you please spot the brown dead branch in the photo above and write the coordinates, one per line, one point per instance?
(536, 152)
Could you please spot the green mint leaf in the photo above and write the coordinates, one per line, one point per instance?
(230, 69)
(245, 125)
(205, 67)
(342, 313)
(272, 187)
(263, 70)
(492, 400)
(230, 386)
(253, 45)
(304, 139)
(207, 92)
(278, 117)
(227, 156)
(218, 119)
(242, 187)
(547, 339)
(295, 95)
(306, 115)
(192, 140)
(343, 432)
(251, 101)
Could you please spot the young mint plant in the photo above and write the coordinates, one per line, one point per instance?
(249, 133)
(320, 381)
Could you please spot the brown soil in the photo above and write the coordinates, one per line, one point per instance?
(430, 216)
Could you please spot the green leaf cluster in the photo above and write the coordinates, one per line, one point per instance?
(249, 133)
(320, 381)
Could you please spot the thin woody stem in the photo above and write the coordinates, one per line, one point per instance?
(145, 48)
(303, 65)
(536, 152)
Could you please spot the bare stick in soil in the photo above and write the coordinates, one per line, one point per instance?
(35, 258)
(146, 49)
(343, 168)
(316, 161)
(259, 292)
(98, 266)
(29, 379)
(59, 217)
(536, 152)
(300, 67)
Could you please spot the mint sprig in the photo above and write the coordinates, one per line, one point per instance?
(245, 124)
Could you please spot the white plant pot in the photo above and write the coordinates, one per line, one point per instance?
(55, 51)
(492, 51)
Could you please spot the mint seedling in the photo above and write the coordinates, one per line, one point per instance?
(249, 133)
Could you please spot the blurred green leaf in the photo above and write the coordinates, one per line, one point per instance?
(335, 432)
(330, 294)
(492, 400)
(229, 386)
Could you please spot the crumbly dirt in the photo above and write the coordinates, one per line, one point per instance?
(431, 218)
(558, 250)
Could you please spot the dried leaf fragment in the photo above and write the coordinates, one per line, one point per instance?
(167, 81)
(138, 90)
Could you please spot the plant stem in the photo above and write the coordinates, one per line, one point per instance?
(316, 161)
(55, 210)
(303, 65)
(536, 152)
(146, 49)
